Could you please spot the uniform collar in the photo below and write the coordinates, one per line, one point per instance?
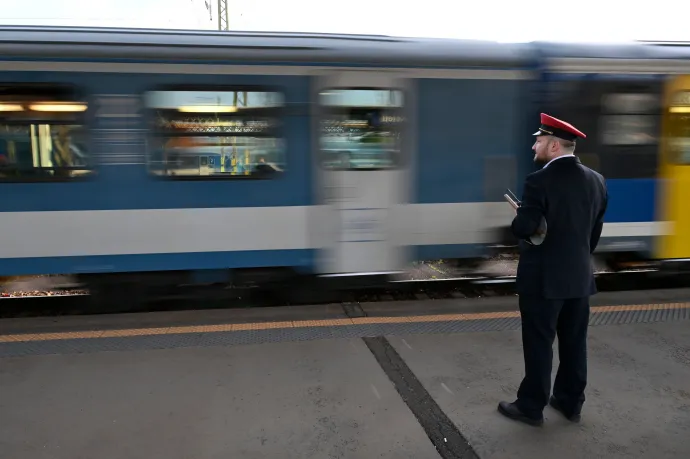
(558, 157)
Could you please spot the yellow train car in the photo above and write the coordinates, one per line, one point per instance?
(674, 172)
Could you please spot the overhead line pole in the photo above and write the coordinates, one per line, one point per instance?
(223, 15)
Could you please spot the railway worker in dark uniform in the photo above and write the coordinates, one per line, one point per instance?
(556, 278)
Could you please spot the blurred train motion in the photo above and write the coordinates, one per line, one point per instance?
(189, 156)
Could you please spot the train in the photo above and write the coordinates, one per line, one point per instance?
(199, 156)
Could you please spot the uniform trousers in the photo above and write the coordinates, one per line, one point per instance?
(543, 319)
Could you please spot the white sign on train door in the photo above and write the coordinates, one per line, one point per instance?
(362, 161)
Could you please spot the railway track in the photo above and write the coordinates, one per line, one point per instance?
(286, 294)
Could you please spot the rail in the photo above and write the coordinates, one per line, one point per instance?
(227, 297)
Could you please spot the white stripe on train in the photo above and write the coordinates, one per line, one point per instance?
(151, 231)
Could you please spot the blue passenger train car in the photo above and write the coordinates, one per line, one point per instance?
(131, 151)
(178, 152)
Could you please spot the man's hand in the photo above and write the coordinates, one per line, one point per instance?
(532, 209)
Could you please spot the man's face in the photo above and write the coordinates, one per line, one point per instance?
(541, 147)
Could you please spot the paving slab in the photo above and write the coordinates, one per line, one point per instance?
(317, 399)
(638, 398)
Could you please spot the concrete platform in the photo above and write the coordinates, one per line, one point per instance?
(321, 399)
(251, 391)
(638, 399)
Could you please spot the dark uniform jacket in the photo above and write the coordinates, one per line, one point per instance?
(573, 199)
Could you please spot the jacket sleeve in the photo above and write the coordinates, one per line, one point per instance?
(532, 209)
(598, 224)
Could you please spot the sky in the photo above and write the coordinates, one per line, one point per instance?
(499, 20)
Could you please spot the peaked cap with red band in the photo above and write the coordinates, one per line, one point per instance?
(557, 128)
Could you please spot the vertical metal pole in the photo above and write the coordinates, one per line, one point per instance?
(223, 15)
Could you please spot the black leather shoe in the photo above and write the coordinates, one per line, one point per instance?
(557, 406)
(513, 412)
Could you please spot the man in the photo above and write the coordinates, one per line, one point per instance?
(555, 279)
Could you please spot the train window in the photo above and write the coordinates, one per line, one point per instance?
(630, 103)
(628, 129)
(42, 133)
(360, 128)
(678, 129)
(216, 134)
(629, 119)
(629, 123)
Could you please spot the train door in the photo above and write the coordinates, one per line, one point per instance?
(675, 171)
(362, 149)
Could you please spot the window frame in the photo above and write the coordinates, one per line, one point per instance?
(618, 152)
(581, 101)
(153, 134)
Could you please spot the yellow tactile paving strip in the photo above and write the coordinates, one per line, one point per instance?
(307, 323)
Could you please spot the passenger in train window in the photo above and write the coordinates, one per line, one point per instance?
(43, 133)
(264, 169)
(555, 278)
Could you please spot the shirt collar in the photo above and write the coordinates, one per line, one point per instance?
(571, 155)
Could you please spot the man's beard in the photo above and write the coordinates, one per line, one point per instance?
(538, 161)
